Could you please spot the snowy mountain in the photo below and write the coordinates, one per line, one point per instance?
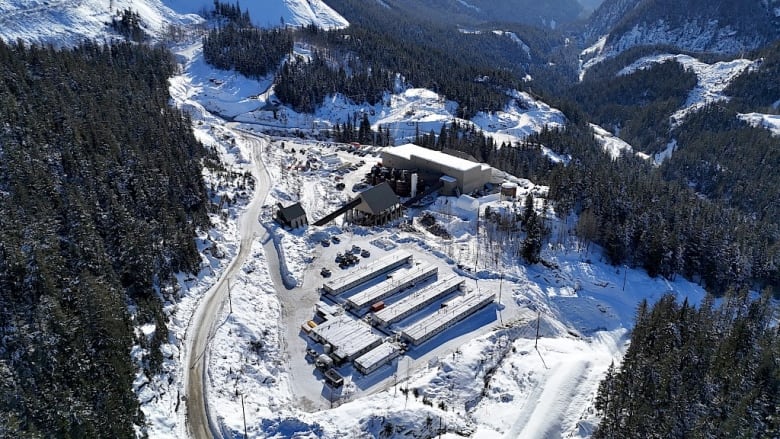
(66, 22)
(269, 13)
(720, 26)
(547, 14)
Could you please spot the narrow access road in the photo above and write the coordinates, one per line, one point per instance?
(201, 328)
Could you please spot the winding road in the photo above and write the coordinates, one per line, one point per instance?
(201, 328)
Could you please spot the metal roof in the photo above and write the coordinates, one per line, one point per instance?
(379, 198)
(292, 212)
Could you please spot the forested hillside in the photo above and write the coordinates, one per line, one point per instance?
(707, 372)
(100, 194)
(628, 208)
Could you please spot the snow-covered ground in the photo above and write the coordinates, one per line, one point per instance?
(272, 13)
(484, 378)
(613, 145)
(768, 121)
(67, 22)
(712, 79)
(412, 110)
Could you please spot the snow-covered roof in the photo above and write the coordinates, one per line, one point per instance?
(379, 354)
(347, 336)
(410, 150)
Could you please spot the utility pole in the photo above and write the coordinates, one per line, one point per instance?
(230, 300)
(500, 287)
(538, 319)
(244, 413)
(625, 273)
(476, 257)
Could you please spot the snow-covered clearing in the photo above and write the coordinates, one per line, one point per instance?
(768, 121)
(593, 54)
(712, 79)
(613, 145)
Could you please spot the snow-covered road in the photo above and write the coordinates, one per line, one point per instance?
(204, 319)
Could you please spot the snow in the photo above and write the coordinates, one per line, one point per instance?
(408, 111)
(67, 22)
(273, 13)
(482, 378)
(450, 161)
(613, 145)
(694, 36)
(768, 121)
(666, 153)
(712, 79)
(468, 5)
(586, 316)
(593, 54)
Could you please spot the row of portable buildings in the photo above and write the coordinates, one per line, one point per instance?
(368, 335)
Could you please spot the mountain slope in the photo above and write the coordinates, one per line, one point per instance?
(548, 14)
(269, 13)
(66, 22)
(720, 26)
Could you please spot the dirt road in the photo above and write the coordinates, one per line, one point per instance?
(201, 330)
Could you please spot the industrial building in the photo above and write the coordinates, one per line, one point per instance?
(347, 338)
(466, 176)
(396, 282)
(368, 272)
(435, 323)
(377, 357)
(417, 300)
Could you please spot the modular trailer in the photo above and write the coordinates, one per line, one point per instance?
(377, 357)
(348, 338)
(400, 280)
(368, 272)
(435, 323)
(417, 300)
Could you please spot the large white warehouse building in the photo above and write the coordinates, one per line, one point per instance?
(469, 176)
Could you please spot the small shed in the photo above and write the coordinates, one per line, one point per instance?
(292, 216)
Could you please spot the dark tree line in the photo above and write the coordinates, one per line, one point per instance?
(707, 372)
(128, 24)
(638, 105)
(724, 158)
(304, 84)
(361, 132)
(231, 13)
(629, 209)
(250, 51)
(100, 194)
